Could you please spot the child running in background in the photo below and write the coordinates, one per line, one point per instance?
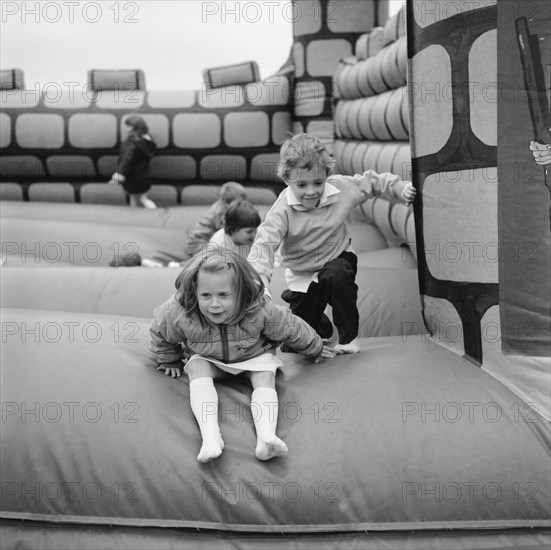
(308, 220)
(133, 165)
(240, 224)
(213, 220)
(220, 314)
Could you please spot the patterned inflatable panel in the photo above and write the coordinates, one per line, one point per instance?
(482, 280)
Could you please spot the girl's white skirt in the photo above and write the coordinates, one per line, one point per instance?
(264, 362)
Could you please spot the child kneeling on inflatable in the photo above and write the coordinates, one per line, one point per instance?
(222, 317)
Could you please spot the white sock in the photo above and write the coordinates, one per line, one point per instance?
(351, 347)
(264, 409)
(203, 398)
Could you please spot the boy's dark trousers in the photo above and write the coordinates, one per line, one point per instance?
(337, 287)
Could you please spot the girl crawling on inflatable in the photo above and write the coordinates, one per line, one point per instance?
(222, 318)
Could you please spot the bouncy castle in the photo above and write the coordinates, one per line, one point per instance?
(436, 435)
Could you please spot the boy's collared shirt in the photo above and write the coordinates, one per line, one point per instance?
(328, 197)
(308, 238)
(299, 282)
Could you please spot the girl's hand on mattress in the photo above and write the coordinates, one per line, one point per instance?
(174, 372)
(326, 353)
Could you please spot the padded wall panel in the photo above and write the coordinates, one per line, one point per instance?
(171, 99)
(116, 79)
(102, 193)
(174, 167)
(10, 191)
(187, 126)
(128, 100)
(264, 167)
(469, 242)
(5, 130)
(197, 130)
(353, 19)
(239, 73)
(247, 129)
(19, 99)
(57, 98)
(21, 167)
(86, 131)
(275, 90)
(39, 131)
(52, 192)
(219, 167)
(72, 166)
(11, 79)
(281, 122)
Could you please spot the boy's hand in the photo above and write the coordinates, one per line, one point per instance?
(175, 372)
(541, 152)
(408, 193)
(326, 353)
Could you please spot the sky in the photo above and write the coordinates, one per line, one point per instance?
(173, 41)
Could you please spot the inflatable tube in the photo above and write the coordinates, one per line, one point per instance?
(364, 77)
(49, 242)
(178, 218)
(383, 117)
(394, 157)
(388, 297)
(362, 47)
(395, 27)
(370, 44)
(364, 70)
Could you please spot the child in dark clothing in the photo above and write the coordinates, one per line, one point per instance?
(133, 166)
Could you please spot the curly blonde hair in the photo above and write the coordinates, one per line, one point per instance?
(304, 151)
